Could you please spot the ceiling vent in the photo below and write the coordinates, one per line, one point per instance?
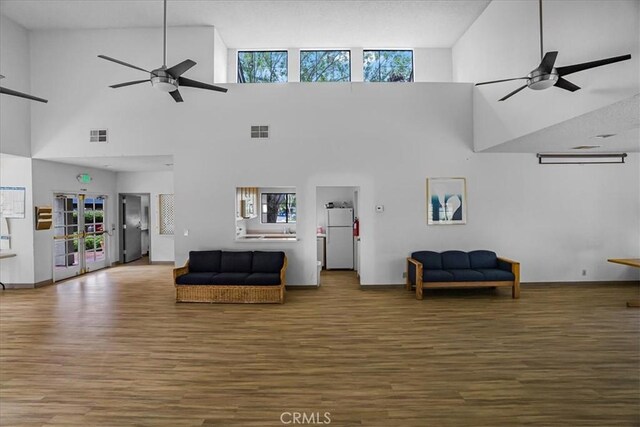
(260, 132)
(98, 135)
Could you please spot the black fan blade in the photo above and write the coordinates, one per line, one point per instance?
(547, 62)
(182, 81)
(512, 93)
(569, 69)
(178, 70)
(504, 80)
(129, 83)
(123, 63)
(176, 95)
(21, 95)
(566, 85)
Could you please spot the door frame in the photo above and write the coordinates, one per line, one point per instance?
(121, 220)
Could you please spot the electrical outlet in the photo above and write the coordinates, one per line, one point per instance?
(404, 274)
(584, 272)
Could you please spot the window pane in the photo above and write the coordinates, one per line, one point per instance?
(262, 67)
(278, 208)
(325, 66)
(388, 65)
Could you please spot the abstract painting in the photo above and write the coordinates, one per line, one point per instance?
(446, 201)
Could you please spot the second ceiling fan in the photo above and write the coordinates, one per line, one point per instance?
(547, 75)
(163, 78)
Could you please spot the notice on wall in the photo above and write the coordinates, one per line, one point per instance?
(12, 202)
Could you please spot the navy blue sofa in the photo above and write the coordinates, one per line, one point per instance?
(457, 269)
(232, 276)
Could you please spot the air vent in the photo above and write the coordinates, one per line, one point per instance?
(261, 132)
(98, 135)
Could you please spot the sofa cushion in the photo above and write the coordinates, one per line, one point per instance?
(436, 276)
(204, 261)
(267, 262)
(496, 275)
(430, 260)
(236, 262)
(455, 260)
(195, 279)
(229, 279)
(466, 275)
(483, 259)
(263, 279)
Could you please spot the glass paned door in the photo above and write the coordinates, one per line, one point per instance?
(79, 234)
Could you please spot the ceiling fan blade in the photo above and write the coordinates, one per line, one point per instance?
(21, 95)
(504, 80)
(182, 81)
(547, 62)
(129, 83)
(176, 95)
(563, 71)
(179, 69)
(512, 93)
(566, 85)
(122, 63)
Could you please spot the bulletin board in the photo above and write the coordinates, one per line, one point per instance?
(12, 202)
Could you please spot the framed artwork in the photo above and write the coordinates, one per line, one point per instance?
(446, 201)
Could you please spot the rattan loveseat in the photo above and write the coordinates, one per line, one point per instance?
(232, 277)
(457, 269)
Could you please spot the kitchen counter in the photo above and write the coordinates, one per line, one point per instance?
(278, 237)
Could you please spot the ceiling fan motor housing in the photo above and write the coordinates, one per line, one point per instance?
(539, 79)
(163, 81)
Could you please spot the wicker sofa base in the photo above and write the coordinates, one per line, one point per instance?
(230, 294)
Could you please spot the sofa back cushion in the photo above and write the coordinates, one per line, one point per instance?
(455, 260)
(483, 259)
(204, 261)
(267, 262)
(430, 260)
(236, 262)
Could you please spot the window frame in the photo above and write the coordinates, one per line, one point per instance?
(238, 68)
(325, 50)
(288, 207)
(413, 70)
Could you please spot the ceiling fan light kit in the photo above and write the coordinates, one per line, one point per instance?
(166, 79)
(547, 75)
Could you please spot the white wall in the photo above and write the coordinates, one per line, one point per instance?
(154, 183)
(16, 172)
(50, 177)
(220, 60)
(15, 134)
(383, 138)
(504, 43)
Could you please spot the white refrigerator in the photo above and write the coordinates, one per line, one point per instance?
(339, 238)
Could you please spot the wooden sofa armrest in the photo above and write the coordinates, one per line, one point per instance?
(515, 269)
(179, 271)
(283, 271)
(418, 277)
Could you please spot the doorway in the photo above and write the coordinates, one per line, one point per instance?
(80, 240)
(134, 235)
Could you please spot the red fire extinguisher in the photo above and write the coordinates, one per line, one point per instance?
(356, 228)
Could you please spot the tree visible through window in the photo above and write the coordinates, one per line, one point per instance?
(388, 66)
(325, 66)
(278, 207)
(262, 67)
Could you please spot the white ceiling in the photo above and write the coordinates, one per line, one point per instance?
(121, 163)
(255, 24)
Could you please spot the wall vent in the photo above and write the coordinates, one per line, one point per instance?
(98, 135)
(260, 132)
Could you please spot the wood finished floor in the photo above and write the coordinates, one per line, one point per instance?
(113, 349)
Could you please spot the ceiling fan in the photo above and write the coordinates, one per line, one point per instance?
(546, 75)
(20, 94)
(163, 78)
